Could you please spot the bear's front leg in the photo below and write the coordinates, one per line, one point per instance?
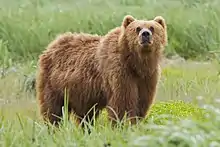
(147, 93)
(123, 99)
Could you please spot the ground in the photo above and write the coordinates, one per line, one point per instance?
(186, 81)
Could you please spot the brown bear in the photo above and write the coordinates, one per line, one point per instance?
(118, 71)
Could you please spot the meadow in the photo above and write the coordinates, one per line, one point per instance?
(186, 111)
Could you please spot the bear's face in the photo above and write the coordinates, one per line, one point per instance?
(147, 35)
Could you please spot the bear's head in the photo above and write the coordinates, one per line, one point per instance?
(144, 35)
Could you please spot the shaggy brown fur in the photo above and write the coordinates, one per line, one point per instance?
(119, 70)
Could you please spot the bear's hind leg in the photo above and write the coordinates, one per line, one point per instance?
(51, 108)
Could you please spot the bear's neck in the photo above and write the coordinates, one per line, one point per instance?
(142, 66)
(139, 64)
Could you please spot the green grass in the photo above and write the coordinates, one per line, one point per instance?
(23, 131)
(179, 116)
(27, 26)
(186, 110)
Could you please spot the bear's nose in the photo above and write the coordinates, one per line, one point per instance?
(146, 34)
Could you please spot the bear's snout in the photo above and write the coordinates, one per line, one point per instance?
(146, 37)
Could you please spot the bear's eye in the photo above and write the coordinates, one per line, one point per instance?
(138, 29)
(151, 29)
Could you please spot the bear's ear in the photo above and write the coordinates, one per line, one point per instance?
(161, 21)
(127, 20)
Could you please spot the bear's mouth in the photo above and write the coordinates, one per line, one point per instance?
(146, 42)
(146, 37)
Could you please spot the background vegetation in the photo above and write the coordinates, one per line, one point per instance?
(186, 110)
(26, 26)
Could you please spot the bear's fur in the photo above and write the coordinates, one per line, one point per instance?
(118, 71)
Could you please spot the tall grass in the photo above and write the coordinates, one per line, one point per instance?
(171, 122)
(27, 26)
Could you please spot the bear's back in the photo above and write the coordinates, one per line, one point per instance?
(70, 56)
(71, 49)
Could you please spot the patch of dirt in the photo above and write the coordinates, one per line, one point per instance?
(174, 60)
(179, 61)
